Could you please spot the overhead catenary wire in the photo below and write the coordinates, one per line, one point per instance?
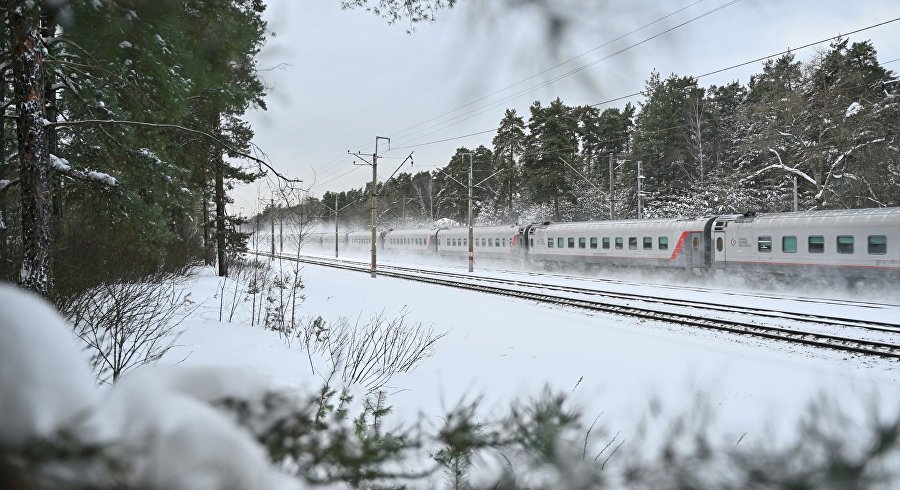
(656, 21)
(697, 77)
(481, 110)
(399, 134)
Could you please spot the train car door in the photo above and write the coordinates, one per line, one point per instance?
(696, 250)
(719, 249)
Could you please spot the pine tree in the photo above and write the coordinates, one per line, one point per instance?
(550, 148)
(509, 143)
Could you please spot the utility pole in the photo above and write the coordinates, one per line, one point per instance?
(640, 189)
(272, 201)
(795, 194)
(612, 188)
(335, 225)
(471, 156)
(374, 197)
(471, 216)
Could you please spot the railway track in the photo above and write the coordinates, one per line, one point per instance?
(513, 289)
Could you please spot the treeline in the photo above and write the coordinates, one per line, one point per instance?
(118, 118)
(829, 123)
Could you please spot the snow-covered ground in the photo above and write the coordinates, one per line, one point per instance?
(633, 378)
(500, 349)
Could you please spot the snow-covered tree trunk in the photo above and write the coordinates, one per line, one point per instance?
(34, 155)
(222, 256)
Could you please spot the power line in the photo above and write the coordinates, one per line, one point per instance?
(480, 110)
(400, 133)
(713, 72)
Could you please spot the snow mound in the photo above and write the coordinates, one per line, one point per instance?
(853, 109)
(45, 384)
(180, 442)
(161, 424)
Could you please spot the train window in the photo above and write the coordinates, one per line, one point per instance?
(663, 242)
(877, 244)
(789, 244)
(465, 241)
(549, 243)
(593, 242)
(531, 242)
(764, 244)
(816, 244)
(582, 243)
(504, 243)
(619, 243)
(695, 242)
(648, 243)
(571, 242)
(845, 244)
(490, 242)
(632, 243)
(606, 243)
(561, 242)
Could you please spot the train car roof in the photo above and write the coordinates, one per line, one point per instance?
(481, 230)
(627, 224)
(412, 232)
(843, 215)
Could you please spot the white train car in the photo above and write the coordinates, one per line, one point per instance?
(410, 241)
(854, 244)
(489, 241)
(644, 243)
(359, 241)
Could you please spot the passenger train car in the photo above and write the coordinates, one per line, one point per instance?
(850, 244)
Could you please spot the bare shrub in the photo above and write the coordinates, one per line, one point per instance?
(128, 324)
(370, 354)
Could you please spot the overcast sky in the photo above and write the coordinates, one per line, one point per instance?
(340, 78)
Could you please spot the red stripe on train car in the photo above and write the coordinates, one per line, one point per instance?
(680, 243)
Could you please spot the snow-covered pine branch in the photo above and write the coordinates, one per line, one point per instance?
(214, 139)
(62, 166)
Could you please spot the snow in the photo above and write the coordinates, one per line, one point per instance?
(44, 381)
(853, 109)
(160, 421)
(185, 443)
(59, 164)
(3, 184)
(501, 350)
(125, 44)
(103, 178)
(636, 377)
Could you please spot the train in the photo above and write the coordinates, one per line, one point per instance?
(848, 245)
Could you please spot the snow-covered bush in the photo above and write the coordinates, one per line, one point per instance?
(152, 430)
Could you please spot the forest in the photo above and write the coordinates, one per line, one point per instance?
(123, 124)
